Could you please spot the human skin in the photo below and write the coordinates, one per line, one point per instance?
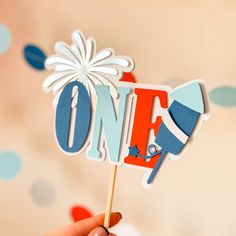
(88, 226)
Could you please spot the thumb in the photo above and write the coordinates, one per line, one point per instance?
(100, 231)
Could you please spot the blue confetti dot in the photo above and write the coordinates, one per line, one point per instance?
(10, 165)
(223, 96)
(34, 56)
(5, 39)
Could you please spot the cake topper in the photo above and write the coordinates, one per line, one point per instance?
(130, 124)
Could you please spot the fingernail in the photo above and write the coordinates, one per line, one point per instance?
(99, 231)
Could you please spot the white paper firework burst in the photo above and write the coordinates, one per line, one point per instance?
(80, 62)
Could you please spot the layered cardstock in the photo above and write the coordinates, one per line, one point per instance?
(128, 124)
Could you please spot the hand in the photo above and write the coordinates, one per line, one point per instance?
(88, 227)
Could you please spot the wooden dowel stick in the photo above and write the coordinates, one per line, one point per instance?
(112, 181)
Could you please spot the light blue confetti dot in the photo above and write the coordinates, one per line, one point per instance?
(5, 39)
(10, 165)
(223, 96)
